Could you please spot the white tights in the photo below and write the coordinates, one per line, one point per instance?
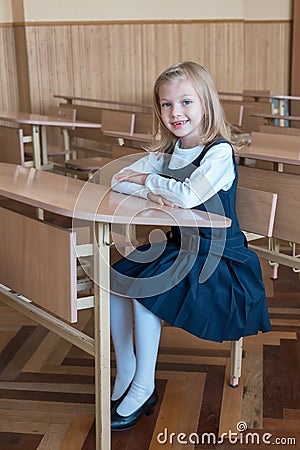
(137, 367)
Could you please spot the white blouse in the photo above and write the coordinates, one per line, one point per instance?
(215, 172)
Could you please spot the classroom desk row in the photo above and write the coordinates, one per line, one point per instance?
(99, 207)
(39, 123)
(263, 96)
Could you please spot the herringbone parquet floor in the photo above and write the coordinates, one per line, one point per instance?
(47, 386)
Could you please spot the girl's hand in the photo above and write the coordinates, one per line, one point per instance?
(132, 176)
(160, 200)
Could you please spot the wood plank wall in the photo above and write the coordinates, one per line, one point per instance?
(120, 60)
(9, 98)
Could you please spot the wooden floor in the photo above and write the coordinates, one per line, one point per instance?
(47, 386)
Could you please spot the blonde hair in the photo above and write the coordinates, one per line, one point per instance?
(214, 123)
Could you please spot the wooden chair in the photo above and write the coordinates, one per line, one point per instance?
(256, 215)
(113, 120)
(11, 145)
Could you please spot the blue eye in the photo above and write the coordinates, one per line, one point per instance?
(165, 105)
(187, 102)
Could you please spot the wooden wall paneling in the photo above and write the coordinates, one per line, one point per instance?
(50, 64)
(9, 98)
(62, 74)
(160, 48)
(84, 66)
(23, 78)
(195, 43)
(267, 56)
(150, 71)
(219, 48)
(120, 61)
(126, 62)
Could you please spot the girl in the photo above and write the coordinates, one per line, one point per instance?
(191, 165)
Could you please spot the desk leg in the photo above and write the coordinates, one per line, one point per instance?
(281, 107)
(44, 154)
(102, 335)
(36, 146)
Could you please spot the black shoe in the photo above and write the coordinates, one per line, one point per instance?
(115, 403)
(119, 423)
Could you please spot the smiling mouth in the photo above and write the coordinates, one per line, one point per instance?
(179, 123)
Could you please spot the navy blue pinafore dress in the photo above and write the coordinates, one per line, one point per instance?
(203, 280)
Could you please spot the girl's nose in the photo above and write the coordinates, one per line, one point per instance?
(176, 111)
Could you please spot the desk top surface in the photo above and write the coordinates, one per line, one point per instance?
(40, 119)
(275, 116)
(143, 137)
(275, 156)
(88, 201)
(258, 96)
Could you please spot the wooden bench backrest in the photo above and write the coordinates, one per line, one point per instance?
(257, 92)
(287, 187)
(100, 115)
(251, 123)
(143, 123)
(114, 120)
(86, 114)
(256, 210)
(11, 145)
(38, 260)
(63, 112)
(233, 112)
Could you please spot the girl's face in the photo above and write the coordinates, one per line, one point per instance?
(181, 111)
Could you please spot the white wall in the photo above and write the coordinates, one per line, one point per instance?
(268, 9)
(5, 11)
(97, 10)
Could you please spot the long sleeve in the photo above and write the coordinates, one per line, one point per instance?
(149, 164)
(215, 172)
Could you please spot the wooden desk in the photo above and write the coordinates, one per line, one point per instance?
(39, 123)
(274, 156)
(279, 149)
(281, 100)
(101, 207)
